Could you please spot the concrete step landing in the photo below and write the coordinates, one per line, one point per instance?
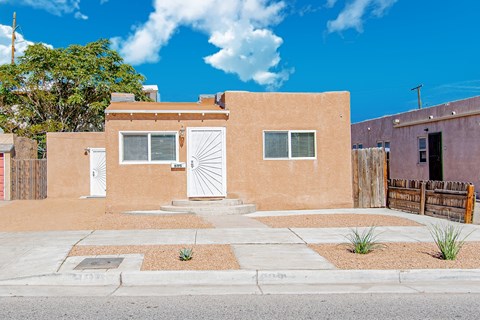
(210, 207)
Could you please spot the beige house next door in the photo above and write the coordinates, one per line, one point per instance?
(206, 162)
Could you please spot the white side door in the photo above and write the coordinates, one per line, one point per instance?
(206, 162)
(98, 172)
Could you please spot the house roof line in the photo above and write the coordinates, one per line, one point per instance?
(442, 118)
(417, 110)
(226, 112)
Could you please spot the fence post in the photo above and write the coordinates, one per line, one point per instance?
(422, 198)
(469, 204)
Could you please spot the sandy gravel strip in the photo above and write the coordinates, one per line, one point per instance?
(165, 257)
(399, 256)
(335, 221)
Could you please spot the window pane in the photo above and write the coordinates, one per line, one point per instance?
(163, 147)
(422, 144)
(276, 144)
(380, 144)
(423, 156)
(360, 146)
(135, 147)
(354, 147)
(387, 146)
(303, 144)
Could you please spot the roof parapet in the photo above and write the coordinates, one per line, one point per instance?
(122, 97)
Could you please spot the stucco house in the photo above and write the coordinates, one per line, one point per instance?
(276, 150)
(436, 143)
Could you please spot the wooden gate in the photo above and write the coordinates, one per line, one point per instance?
(29, 179)
(369, 178)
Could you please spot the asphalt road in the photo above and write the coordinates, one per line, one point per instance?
(360, 306)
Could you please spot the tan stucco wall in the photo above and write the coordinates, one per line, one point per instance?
(68, 164)
(271, 184)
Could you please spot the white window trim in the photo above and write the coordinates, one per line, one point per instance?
(149, 134)
(426, 150)
(289, 134)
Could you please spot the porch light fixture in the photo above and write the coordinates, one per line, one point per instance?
(181, 135)
(396, 121)
(430, 117)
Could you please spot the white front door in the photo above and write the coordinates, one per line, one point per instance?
(206, 162)
(98, 172)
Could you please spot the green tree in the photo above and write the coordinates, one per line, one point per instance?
(64, 89)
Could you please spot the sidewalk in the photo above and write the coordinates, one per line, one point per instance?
(272, 260)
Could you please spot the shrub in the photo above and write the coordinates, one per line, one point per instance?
(186, 254)
(365, 242)
(447, 238)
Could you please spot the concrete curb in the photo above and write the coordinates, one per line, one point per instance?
(165, 278)
(67, 279)
(246, 277)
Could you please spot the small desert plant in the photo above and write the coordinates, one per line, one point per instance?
(364, 242)
(186, 254)
(447, 238)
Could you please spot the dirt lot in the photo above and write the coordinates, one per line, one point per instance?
(335, 221)
(83, 214)
(400, 256)
(165, 257)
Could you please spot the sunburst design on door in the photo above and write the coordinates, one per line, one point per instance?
(98, 173)
(207, 163)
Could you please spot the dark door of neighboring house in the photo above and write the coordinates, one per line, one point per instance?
(435, 156)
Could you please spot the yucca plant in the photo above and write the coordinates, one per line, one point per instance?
(447, 238)
(186, 254)
(365, 242)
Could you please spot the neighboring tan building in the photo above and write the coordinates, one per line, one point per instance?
(435, 143)
(276, 150)
(13, 147)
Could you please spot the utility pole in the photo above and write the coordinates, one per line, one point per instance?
(14, 27)
(418, 95)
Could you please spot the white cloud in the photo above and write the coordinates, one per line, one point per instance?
(80, 16)
(6, 44)
(241, 29)
(330, 3)
(56, 7)
(355, 12)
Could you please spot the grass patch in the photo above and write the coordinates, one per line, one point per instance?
(447, 238)
(364, 242)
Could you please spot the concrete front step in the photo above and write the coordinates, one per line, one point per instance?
(207, 203)
(213, 210)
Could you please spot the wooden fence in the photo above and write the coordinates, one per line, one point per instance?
(369, 178)
(443, 199)
(29, 179)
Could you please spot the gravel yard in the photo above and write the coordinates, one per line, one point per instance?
(400, 256)
(335, 221)
(165, 257)
(84, 214)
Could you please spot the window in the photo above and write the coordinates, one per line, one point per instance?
(422, 150)
(354, 147)
(380, 144)
(148, 147)
(289, 144)
(387, 146)
(360, 146)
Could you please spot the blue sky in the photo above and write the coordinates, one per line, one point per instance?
(376, 49)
